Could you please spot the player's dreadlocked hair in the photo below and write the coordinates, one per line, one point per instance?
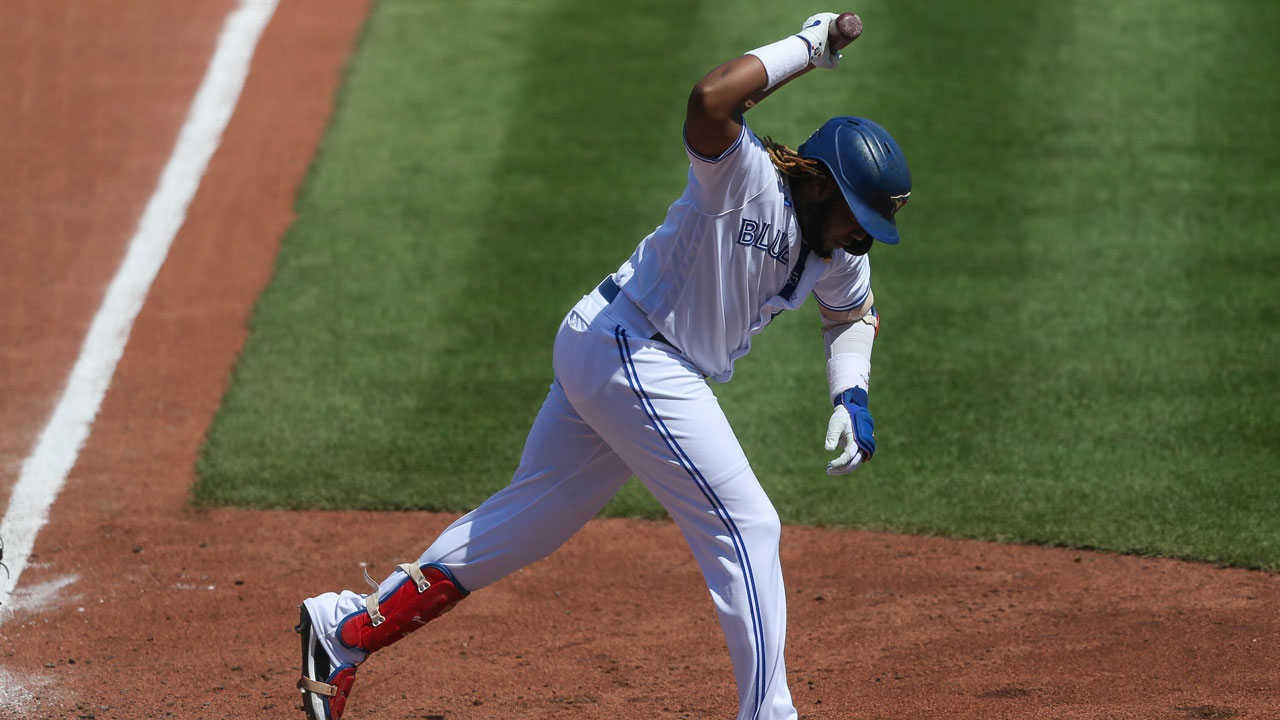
(790, 163)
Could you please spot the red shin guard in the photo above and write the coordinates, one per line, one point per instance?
(425, 595)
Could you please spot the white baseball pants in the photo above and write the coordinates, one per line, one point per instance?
(621, 404)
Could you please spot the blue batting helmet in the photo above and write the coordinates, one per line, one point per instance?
(870, 169)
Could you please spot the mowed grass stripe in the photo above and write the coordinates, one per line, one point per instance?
(1078, 327)
(1234, 329)
(588, 167)
(1037, 380)
(471, 187)
(956, 105)
(346, 341)
(1106, 297)
(1120, 389)
(1079, 413)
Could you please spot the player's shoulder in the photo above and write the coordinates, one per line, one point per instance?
(737, 176)
(845, 282)
(746, 148)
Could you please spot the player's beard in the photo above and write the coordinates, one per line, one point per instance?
(812, 219)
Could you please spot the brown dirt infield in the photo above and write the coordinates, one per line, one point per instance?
(136, 606)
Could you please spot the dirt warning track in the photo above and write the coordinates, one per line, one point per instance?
(135, 606)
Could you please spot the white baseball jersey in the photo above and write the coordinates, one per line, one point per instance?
(725, 260)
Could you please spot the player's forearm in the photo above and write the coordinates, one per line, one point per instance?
(783, 61)
(849, 355)
(817, 45)
(849, 336)
(850, 428)
(714, 117)
(756, 97)
(741, 83)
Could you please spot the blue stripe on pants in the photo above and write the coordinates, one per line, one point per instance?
(753, 602)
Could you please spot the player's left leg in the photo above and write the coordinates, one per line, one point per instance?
(339, 630)
(566, 475)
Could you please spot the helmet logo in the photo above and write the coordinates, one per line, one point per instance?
(898, 201)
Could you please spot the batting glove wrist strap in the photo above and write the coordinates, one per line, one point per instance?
(854, 401)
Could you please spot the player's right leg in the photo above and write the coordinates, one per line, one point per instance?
(657, 413)
(676, 438)
(566, 475)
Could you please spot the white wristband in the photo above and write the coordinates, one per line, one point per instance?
(784, 58)
(847, 371)
(849, 357)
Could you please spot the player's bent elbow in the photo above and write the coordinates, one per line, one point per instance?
(703, 108)
(831, 319)
(717, 97)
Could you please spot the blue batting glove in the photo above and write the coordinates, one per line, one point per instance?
(850, 429)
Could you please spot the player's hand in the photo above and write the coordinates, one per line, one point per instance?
(816, 32)
(850, 430)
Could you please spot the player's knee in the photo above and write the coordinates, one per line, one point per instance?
(774, 526)
(763, 529)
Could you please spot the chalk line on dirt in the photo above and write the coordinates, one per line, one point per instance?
(17, 697)
(45, 470)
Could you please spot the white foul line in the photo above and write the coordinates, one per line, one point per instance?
(55, 453)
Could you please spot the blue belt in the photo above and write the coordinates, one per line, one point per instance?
(609, 291)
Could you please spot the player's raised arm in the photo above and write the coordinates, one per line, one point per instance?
(714, 116)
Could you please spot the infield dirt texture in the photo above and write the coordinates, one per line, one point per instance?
(135, 605)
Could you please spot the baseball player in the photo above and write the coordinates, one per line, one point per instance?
(758, 230)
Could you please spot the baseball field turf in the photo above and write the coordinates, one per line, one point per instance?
(1080, 328)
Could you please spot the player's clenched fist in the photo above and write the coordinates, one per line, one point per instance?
(851, 431)
(817, 31)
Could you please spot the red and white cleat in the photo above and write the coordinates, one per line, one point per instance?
(325, 685)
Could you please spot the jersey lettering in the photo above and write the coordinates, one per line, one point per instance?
(755, 234)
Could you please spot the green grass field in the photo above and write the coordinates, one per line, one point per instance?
(1080, 329)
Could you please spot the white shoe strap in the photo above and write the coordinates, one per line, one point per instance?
(371, 600)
